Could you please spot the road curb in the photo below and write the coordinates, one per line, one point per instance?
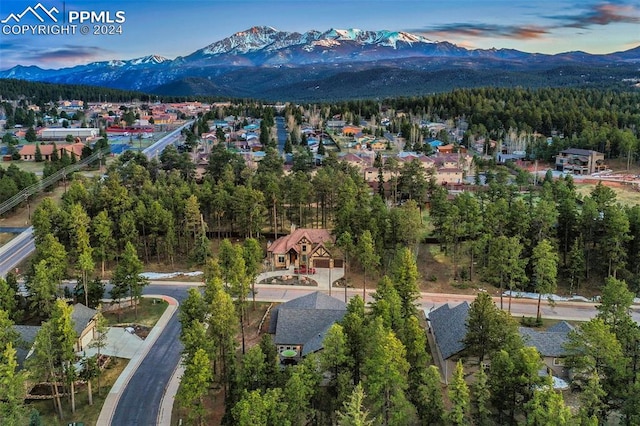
(111, 402)
(169, 396)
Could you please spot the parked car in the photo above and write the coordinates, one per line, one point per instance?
(305, 270)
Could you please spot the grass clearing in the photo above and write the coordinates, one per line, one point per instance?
(149, 312)
(28, 166)
(624, 196)
(85, 413)
(6, 237)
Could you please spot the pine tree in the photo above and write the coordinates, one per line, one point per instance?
(195, 385)
(99, 340)
(547, 408)
(367, 257)
(30, 136)
(126, 278)
(459, 396)
(545, 270)
(12, 389)
(404, 274)
(481, 399)
(38, 155)
(354, 412)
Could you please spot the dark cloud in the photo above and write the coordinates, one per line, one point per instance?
(484, 30)
(71, 53)
(602, 14)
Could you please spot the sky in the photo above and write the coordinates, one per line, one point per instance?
(178, 28)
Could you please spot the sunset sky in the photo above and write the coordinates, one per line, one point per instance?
(177, 28)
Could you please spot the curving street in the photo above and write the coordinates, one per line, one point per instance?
(140, 401)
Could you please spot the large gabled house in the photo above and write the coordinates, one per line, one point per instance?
(303, 247)
(550, 343)
(448, 326)
(84, 324)
(300, 325)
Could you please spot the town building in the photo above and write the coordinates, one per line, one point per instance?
(580, 161)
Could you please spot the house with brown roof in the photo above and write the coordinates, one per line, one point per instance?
(361, 162)
(445, 149)
(351, 130)
(303, 247)
(28, 151)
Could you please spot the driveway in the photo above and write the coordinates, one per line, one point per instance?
(120, 343)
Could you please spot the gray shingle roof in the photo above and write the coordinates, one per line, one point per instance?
(28, 336)
(81, 315)
(549, 343)
(305, 327)
(578, 151)
(305, 320)
(561, 327)
(449, 328)
(314, 301)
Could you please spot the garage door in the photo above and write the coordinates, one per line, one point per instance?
(321, 263)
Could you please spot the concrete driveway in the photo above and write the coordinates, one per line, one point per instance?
(120, 343)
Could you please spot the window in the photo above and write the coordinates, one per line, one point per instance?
(280, 259)
(304, 247)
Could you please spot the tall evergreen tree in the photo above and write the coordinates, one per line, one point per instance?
(126, 278)
(545, 271)
(194, 386)
(367, 257)
(354, 412)
(459, 397)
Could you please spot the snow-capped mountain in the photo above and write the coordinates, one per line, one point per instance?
(269, 39)
(290, 62)
(145, 60)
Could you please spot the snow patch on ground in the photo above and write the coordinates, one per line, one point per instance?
(165, 275)
(554, 297)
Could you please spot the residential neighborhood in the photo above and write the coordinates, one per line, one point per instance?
(331, 249)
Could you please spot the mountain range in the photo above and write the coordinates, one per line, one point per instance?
(263, 62)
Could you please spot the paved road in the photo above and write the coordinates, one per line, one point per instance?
(281, 133)
(157, 148)
(18, 249)
(139, 402)
(15, 251)
(141, 399)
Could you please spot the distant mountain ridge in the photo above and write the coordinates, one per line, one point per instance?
(295, 65)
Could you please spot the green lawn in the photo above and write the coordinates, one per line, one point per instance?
(149, 312)
(27, 166)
